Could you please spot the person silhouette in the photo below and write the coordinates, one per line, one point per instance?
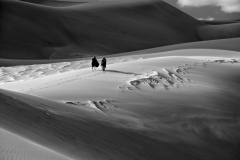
(103, 64)
(94, 63)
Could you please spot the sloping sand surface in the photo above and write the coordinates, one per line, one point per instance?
(90, 29)
(75, 29)
(17, 148)
(28, 72)
(220, 21)
(59, 3)
(222, 31)
(223, 44)
(82, 137)
(177, 101)
(180, 104)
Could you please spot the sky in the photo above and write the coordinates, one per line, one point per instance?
(209, 9)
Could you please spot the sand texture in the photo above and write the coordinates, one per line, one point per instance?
(170, 90)
(91, 28)
(154, 107)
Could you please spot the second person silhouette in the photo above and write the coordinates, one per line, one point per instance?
(104, 64)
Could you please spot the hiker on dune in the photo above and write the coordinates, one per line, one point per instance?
(103, 64)
(94, 63)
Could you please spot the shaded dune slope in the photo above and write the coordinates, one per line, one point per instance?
(222, 31)
(90, 29)
(220, 22)
(231, 44)
(76, 136)
(80, 136)
(59, 3)
(15, 147)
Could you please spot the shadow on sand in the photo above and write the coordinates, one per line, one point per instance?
(128, 73)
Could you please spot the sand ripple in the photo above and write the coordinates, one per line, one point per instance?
(172, 77)
(28, 72)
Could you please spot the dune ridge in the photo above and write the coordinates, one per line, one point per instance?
(74, 135)
(16, 148)
(222, 31)
(91, 29)
(59, 3)
(160, 98)
(28, 72)
(98, 28)
(220, 22)
(223, 44)
(195, 116)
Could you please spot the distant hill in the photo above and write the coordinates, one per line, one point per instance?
(59, 3)
(221, 31)
(219, 22)
(32, 31)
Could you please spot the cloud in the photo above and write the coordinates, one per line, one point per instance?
(228, 6)
(207, 19)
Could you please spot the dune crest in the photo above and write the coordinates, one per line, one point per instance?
(222, 31)
(86, 114)
(59, 3)
(15, 147)
(170, 90)
(98, 29)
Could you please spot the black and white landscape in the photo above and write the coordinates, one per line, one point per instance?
(170, 89)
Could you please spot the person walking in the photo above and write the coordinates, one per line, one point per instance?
(103, 64)
(94, 63)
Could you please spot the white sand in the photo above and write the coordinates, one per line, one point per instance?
(177, 102)
(181, 104)
(15, 147)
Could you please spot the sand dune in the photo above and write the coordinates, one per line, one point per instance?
(28, 72)
(165, 94)
(222, 31)
(154, 107)
(16, 148)
(91, 29)
(223, 44)
(220, 22)
(59, 3)
(100, 28)
(80, 137)
(230, 44)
